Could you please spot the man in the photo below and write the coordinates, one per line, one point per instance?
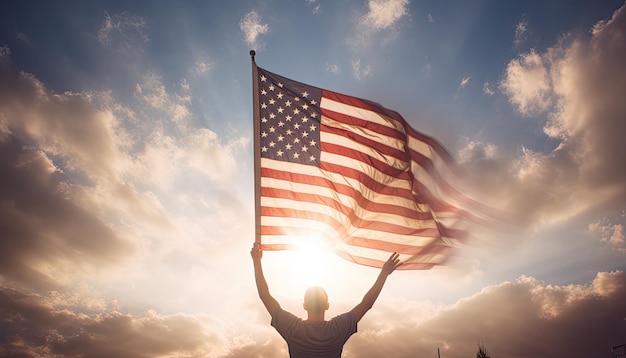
(316, 337)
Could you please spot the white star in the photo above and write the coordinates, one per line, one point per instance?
(280, 95)
(296, 126)
(263, 92)
(296, 140)
(279, 153)
(305, 134)
(312, 143)
(263, 134)
(288, 118)
(313, 102)
(304, 148)
(263, 105)
(280, 84)
(313, 114)
(271, 87)
(289, 132)
(263, 78)
(296, 99)
(264, 120)
(272, 116)
(312, 158)
(280, 138)
(272, 144)
(312, 127)
(281, 123)
(280, 109)
(272, 129)
(305, 94)
(296, 111)
(305, 106)
(264, 149)
(288, 146)
(288, 103)
(304, 119)
(272, 101)
(296, 155)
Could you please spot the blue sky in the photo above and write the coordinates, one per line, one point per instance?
(126, 153)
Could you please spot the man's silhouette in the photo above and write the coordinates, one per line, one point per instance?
(316, 337)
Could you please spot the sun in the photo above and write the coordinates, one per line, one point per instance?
(310, 263)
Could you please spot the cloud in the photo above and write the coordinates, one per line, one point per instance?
(378, 26)
(528, 84)
(383, 14)
(360, 72)
(430, 18)
(609, 233)
(124, 30)
(524, 318)
(85, 180)
(252, 28)
(487, 89)
(521, 30)
(334, 69)
(576, 88)
(32, 326)
(465, 81)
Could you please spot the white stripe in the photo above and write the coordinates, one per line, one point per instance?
(361, 113)
(391, 161)
(342, 219)
(330, 193)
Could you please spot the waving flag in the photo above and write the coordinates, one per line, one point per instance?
(351, 174)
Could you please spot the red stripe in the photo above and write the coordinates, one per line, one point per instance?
(362, 123)
(378, 146)
(335, 186)
(375, 107)
(354, 221)
(400, 173)
(358, 198)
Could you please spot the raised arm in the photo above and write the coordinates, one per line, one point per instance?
(370, 297)
(261, 285)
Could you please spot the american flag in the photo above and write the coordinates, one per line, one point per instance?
(353, 175)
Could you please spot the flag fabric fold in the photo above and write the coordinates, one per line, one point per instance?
(353, 176)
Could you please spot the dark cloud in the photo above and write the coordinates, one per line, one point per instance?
(41, 228)
(525, 318)
(31, 326)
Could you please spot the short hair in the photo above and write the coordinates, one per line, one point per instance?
(316, 299)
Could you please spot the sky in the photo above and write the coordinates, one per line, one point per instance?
(126, 193)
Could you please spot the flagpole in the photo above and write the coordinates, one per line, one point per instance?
(257, 150)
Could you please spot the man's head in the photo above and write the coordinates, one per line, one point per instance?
(315, 300)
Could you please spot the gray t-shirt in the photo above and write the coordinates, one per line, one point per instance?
(314, 339)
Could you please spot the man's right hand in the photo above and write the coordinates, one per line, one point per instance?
(256, 252)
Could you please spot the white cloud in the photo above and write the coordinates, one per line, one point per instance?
(252, 28)
(360, 72)
(383, 14)
(430, 18)
(521, 30)
(465, 81)
(487, 89)
(334, 68)
(528, 84)
(610, 233)
(124, 30)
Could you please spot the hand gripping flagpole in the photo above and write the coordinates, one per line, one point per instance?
(257, 150)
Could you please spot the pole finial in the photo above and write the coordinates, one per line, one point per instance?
(252, 53)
